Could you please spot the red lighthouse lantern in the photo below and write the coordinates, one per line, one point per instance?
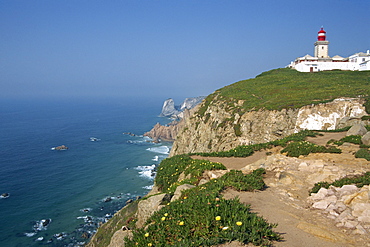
(321, 35)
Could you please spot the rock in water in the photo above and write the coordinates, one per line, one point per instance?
(169, 108)
(4, 195)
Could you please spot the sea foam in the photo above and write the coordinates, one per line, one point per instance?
(160, 150)
(146, 171)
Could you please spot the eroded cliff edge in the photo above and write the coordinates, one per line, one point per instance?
(218, 129)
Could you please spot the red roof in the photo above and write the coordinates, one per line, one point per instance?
(322, 30)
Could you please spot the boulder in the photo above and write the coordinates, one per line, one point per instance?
(179, 190)
(357, 129)
(118, 237)
(147, 207)
(366, 139)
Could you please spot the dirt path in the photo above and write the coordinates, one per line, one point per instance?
(299, 225)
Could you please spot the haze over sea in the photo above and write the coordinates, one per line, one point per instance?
(68, 186)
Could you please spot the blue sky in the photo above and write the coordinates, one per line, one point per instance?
(173, 48)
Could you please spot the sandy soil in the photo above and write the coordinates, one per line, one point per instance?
(299, 225)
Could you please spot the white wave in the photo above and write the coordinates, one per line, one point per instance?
(4, 195)
(30, 234)
(39, 239)
(146, 171)
(149, 187)
(160, 150)
(155, 158)
(42, 225)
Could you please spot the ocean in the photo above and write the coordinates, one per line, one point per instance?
(59, 197)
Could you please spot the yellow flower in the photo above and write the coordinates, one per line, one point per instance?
(181, 223)
(146, 234)
(163, 218)
(185, 197)
(239, 223)
(150, 244)
(218, 217)
(166, 214)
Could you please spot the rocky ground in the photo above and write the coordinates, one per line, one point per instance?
(326, 219)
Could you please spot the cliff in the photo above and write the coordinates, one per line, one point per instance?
(274, 105)
(220, 130)
(169, 109)
(169, 132)
(270, 107)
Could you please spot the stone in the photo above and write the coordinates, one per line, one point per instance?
(360, 230)
(344, 215)
(179, 190)
(147, 207)
(321, 194)
(118, 237)
(350, 224)
(340, 207)
(359, 208)
(366, 139)
(364, 219)
(361, 197)
(357, 129)
(347, 190)
(321, 204)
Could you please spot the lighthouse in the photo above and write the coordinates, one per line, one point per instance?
(321, 45)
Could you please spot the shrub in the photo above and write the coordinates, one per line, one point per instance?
(237, 130)
(363, 153)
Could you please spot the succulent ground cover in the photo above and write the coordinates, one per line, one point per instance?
(295, 145)
(169, 171)
(202, 217)
(359, 181)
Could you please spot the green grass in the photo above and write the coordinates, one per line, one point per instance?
(295, 149)
(287, 88)
(202, 217)
(363, 153)
(168, 172)
(355, 139)
(359, 181)
(295, 145)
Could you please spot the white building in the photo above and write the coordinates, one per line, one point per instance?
(321, 60)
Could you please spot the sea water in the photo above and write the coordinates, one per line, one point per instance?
(59, 197)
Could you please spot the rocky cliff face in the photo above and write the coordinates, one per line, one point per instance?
(217, 129)
(167, 132)
(169, 108)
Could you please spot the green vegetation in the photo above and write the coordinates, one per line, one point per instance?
(295, 149)
(355, 139)
(170, 169)
(287, 88)
(359, 181)
(105, 232)
(295, 145)
(202, 217)
(336, 130)
(363, 153)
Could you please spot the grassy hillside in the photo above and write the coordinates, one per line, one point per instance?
(287, 88)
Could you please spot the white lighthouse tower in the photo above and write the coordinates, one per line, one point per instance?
(321, 46)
